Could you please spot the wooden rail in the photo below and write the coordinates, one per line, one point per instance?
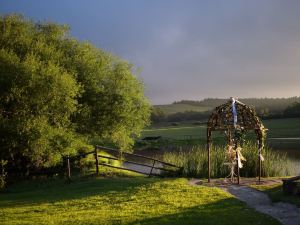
(137, 155)
(97, 163)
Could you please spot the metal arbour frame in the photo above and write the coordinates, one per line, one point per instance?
(225, 118)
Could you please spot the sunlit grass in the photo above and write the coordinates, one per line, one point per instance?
(123, 201)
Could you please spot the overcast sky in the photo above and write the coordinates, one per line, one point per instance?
(189, 49)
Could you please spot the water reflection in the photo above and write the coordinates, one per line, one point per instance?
(288, 146)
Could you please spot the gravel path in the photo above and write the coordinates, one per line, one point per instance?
(287, 214)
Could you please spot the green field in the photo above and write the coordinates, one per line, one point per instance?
(283, 127)
(175, 108)
(277, 128)
(124, 201)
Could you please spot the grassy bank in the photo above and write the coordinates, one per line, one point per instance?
(276, 194)
(194, 162)
(124, 201)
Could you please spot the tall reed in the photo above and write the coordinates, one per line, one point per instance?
(195, 162)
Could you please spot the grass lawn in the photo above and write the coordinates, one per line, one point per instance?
(196, 134)
(276, 194)
(123, 201)
(177, 132)
(289, 127)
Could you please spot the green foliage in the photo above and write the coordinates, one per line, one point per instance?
(157, 115)
(182, 107)
(58, 95)
(264, 105)
(125, 201)
(194, 162)
(188, 110)
(293, 110)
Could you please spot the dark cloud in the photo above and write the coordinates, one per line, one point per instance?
(190, 49)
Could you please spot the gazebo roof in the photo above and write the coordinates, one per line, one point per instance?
(222, 117)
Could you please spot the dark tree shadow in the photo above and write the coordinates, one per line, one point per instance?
(59, 190)
(224, 212)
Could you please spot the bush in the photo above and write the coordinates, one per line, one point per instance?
(86, 165)
(194, 162)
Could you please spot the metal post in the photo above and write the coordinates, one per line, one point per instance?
(96, 161)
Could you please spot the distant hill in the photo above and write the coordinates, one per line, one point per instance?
(262, 105)
(181, 107)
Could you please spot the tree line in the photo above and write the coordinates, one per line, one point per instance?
(266, 108)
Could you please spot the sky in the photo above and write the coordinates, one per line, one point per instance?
(189, 49)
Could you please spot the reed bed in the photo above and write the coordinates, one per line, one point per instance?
(194, 162)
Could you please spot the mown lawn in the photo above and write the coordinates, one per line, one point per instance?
(123, 201)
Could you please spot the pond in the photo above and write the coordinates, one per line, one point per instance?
(289, 146)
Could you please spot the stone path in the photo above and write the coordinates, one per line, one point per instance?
(287, 214)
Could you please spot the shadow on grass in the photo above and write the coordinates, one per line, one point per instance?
(149, 208)
(228, 211)
(37, 192)
(276, 194)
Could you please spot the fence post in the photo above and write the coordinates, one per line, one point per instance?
(68, 168)
(152, 168)
(96, 161)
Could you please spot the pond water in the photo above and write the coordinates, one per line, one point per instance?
(289, 146)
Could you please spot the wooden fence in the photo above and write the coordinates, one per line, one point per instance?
(176, 170)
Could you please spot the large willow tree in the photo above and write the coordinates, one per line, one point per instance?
(58, 94)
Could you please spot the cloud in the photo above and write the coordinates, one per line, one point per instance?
(191, 49)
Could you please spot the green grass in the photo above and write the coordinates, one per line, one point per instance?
(177, 132)
(289, 127)
(277, 128)
(276, 194)
(124, 201)
(175, 108)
